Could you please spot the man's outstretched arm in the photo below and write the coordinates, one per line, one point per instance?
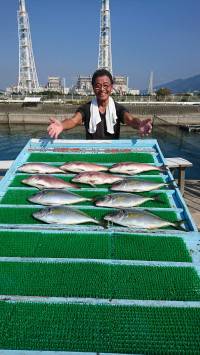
(56, 127)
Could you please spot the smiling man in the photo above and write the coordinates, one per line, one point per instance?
(101, 116)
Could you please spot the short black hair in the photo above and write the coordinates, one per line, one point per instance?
(101, 72)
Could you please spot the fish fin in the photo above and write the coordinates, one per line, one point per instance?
(131, 172)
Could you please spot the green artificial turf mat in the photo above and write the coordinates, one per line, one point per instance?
(92, 245)
(144, 247)
(102, 158)
(100, 328)
(99, 280)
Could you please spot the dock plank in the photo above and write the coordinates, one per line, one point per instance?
(5, 164)
(192, 199)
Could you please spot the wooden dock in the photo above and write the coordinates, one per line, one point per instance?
(192, 199)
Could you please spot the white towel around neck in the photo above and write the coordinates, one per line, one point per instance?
(95, 118)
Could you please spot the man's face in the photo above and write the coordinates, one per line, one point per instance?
(102, 87)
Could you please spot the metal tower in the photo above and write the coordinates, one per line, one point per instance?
(28, 80)
(105, 54)
(150, 87)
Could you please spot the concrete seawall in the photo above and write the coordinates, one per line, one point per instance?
(40, 113)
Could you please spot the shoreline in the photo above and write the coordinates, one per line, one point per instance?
(40, 113)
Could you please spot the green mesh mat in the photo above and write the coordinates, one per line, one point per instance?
(100, 328)
(102, 158)
(20, 197)
(93, 246)
(141, 247)
(99, 280)
(17, 181)
(23, 215)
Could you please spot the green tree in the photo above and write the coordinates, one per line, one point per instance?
(163, 92)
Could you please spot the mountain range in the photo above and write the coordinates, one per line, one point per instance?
(187, 85)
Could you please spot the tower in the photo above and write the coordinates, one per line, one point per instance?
(105, 54)
(150, 87)
(28, 80)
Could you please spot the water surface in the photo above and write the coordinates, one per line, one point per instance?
(173, 142)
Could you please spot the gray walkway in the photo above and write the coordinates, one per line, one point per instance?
(192, 199)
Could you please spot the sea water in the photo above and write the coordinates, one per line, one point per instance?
(173, 141)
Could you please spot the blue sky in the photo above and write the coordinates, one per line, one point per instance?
(147, 35)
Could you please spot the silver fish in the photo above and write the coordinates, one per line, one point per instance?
(133, 168)
(122, 200)
(138, 219)
(96, 178)
(62, 215)
(41, 168)
(140, 185)
(48, 182)
(56, 197)
(81, 166)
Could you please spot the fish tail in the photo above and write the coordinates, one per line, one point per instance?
(103, 223)
(163, 168)
(170, 184)
(96, 199)
(179, 225)
(158, 199)
(95, 221)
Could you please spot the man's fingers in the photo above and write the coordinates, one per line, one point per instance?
(50, 129)
(148, 120)
(53, 120)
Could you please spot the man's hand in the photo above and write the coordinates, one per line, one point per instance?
(145, 127)
(55, 128)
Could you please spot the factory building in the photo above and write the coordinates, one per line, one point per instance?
(54, 84)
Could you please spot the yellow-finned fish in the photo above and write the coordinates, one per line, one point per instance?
(63, 215)
(53, 197)
(138, 219)
(122, 200)
(137, 185)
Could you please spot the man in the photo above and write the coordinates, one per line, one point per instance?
(101, 116)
